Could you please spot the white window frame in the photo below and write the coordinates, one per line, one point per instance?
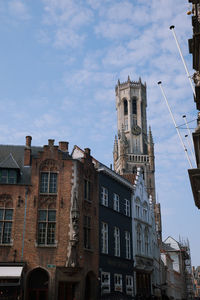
(116, 202)
(128, 244)
(104, 196)
(105, 284)
(127, 207)
(104, 234)
(117, 241)
(129, 285)
(118, 282)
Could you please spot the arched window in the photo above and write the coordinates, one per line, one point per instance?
(125, 107)
(137, 207)
(134, 106)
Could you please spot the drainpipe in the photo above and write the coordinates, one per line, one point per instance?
(24, 228)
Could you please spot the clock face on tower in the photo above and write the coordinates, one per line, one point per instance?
(136, 130)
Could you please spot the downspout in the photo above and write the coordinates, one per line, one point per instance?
(24, 228)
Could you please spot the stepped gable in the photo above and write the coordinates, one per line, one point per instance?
(130, 177)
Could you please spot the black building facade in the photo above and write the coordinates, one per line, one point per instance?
(116, 265)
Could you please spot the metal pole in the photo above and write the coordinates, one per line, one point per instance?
(189, 131)
(180, 52)
(186, 153)
(186, 136)
(24, 228)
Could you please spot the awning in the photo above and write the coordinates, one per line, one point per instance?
(10, 276)
(10, 272)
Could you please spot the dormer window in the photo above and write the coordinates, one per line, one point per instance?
(8, 176)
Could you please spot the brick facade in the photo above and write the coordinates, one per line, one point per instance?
(54, 203)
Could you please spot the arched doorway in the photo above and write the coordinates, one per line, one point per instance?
(37, 285)
(90, 286)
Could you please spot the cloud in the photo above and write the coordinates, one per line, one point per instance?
(65, 37)
(19, 9)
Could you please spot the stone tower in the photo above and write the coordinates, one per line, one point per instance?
(133, 145)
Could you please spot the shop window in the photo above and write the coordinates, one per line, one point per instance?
(118, 282)
(105, 282)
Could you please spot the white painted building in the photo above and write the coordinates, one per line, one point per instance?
(146, 251)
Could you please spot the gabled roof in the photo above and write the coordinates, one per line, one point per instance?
(9, 163)
(167, 247)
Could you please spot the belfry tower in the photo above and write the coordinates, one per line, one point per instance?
(133, 145)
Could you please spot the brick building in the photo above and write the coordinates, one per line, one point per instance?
(48, 223)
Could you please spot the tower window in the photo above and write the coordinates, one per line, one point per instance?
(125, 107)
(134, 106)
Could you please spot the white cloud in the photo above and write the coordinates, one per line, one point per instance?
(19, 9)
(65, 37)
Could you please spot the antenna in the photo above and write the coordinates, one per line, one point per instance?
(184, 148)
(181, 55)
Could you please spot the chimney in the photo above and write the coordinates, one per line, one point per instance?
(87, 152)
(63, 146)
(50, 142)
(27, 151)
(28, 141)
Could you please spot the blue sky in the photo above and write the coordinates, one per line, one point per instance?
(60, 61)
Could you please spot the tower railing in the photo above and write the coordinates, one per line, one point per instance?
(138, 158)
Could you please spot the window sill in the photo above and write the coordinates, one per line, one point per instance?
(46, 245)
(48, 194)
(89, 250)
(88, 201)
(6, 245)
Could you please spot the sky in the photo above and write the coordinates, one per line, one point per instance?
(59, 63)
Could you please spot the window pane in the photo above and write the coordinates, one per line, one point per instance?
(44, 183)
(52, 215)
(4, 176)
(7, 232)
(42, 215)
(12, 176)
(41, 233)
(8, 214)
(1, 214)
(1, 231)
(53, 183)
(51, 233)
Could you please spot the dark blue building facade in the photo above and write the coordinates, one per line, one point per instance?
(115, 233)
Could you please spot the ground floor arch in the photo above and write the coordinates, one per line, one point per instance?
(37, 285)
